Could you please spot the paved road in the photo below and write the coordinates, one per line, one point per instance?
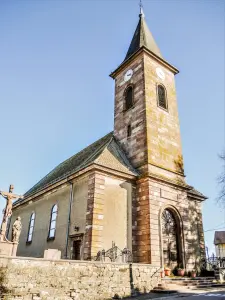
(215, 294)
(209, 295)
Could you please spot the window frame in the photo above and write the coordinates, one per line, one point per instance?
(49, 238)
(166, 99)
(125, 93)
(31, 233)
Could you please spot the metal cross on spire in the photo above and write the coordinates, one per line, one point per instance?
(141, 9)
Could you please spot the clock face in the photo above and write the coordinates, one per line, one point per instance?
(160, 73)
(128, 75)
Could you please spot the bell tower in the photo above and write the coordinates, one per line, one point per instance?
(146, 125)
(146, 120)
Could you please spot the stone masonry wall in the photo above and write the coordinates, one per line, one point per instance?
(163, 129)
(153, 197)
(136, 145)
(189, 218)
(35, 278)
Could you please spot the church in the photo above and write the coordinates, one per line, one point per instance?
(128, 187)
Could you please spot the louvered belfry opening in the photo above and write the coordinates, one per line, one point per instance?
(162, 101)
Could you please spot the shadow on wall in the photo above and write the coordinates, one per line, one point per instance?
(133, 291)
(194, 248)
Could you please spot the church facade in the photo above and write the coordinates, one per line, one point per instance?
(128, 187)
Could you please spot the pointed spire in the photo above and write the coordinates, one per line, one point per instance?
(142, 37)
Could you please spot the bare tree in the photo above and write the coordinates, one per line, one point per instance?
(221, 180)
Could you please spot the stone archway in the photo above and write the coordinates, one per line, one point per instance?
(171, 238)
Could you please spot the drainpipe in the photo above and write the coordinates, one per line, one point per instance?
(69, 218)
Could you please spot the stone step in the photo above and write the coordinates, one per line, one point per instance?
(162, 291)
(184, 286)
(188, 278)
(188, 281)
(175, 287)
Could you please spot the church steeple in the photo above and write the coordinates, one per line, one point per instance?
(146, 120)
(142, 38)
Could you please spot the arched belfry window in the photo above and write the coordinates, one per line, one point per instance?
(52, 225)
(31, 228)
(162, 101)
(129, 98)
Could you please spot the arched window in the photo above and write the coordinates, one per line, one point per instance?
(52, 225)
(162, 101)
(129, 98)
(31, 228)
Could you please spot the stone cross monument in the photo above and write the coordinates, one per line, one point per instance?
(9, 196)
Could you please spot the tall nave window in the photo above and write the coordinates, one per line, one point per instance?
(31, 228)
(52, 225)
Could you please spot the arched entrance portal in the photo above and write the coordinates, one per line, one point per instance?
(171, 241)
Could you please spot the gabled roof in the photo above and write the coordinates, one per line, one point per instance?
(105, 152)
(142, 37)
(219, 237)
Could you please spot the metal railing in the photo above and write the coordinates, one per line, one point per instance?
(212, 263)
(114, 254)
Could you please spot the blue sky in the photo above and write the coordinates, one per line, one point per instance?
(56, 96)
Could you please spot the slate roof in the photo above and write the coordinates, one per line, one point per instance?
(196, 193)
(219, 237)
(105, 152)
(142, 37)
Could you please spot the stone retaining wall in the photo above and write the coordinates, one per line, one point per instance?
(35, 279)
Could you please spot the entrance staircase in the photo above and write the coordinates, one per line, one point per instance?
(179, 284)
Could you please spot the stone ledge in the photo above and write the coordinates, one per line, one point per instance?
(72, 261)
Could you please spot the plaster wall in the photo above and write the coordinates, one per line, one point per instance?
(117, 221)
(220, 250)
(42, 209)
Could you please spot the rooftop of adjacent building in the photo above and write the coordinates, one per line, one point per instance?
(219, 237)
